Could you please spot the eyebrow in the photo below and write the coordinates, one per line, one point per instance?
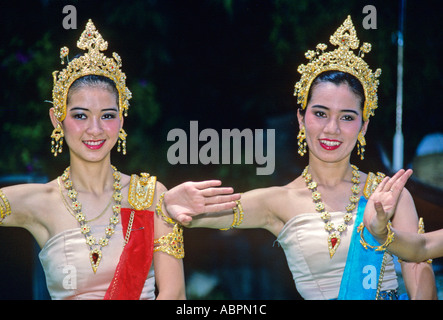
(85, 109)
(319, 106)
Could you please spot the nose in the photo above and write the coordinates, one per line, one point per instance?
(95, 127)
(332, 126)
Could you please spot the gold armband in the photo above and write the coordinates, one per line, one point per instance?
(5, 207)
(238, 216)
(172, 243)
(384, 246)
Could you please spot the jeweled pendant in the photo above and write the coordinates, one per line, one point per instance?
(95, 256)
(333, 243)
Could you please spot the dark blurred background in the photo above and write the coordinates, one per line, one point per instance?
(227, 64)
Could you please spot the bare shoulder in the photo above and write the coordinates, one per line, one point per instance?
(29, 202)
(22, 194)
(160, 188)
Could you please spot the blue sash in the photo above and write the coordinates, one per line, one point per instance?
(362, 270)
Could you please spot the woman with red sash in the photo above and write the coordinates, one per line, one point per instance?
(96, 226)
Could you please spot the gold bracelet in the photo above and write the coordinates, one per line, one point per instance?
(238, 216)
(384, 246)
(159, 209)
(5, 207)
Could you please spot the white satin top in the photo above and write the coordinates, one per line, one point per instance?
(317, 276)
(69, 275)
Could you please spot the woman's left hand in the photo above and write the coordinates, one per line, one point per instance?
(382, 203)
(193, 198)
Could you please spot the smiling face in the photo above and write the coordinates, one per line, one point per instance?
(332, 120)
(92, 123)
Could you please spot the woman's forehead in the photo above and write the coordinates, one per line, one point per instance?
(330, 94)
(92, 95)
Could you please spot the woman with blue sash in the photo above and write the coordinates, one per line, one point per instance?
(317, 217)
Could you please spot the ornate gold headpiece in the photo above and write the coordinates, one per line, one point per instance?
(341, 59)
(92, 62)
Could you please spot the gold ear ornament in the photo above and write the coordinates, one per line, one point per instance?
(361, 143)
(57, 140)
(301, 137)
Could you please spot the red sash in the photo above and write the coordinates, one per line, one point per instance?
(136, 258)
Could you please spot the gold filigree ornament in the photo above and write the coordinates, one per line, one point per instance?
(57, 140)
(141, 191)
(372, 182)
(334, 237)
(92, 62)
(171, 243)
(95, 247)
(341, 59)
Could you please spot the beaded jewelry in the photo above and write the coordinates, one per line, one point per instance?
(334, 234)
(95, 253)
(389, 239)
(5, 207)
(238, 216)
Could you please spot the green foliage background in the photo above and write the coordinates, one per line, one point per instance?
(227, 64)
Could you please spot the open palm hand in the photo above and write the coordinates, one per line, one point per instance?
(193, 198)
(383, 201)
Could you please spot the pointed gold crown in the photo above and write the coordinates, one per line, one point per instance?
(92, 62)
(341, 59)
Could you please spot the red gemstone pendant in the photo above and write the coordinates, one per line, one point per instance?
(95, 256)
(333, 243)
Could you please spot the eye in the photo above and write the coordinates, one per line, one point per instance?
(109, 116)
(348, 117)
(79, 116)
(320, 114)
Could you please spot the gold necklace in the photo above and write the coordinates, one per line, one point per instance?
(68, 208)
(95, 248)
(334, 234)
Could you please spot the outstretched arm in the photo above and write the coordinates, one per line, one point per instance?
(391, 201)
(207, 205)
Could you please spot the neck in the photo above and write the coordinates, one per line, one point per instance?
(90, 177)
(330, 174)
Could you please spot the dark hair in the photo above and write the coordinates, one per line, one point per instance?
(95, 81)
(338, 77)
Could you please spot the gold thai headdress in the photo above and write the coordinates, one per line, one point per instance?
(341, 59)
(92, 62)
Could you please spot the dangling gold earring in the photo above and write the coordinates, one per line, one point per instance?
(57, 140)
(301, 137)
(361, 143)
(121, 144)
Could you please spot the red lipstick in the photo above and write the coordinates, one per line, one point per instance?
(94, 144)
(329, 144)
